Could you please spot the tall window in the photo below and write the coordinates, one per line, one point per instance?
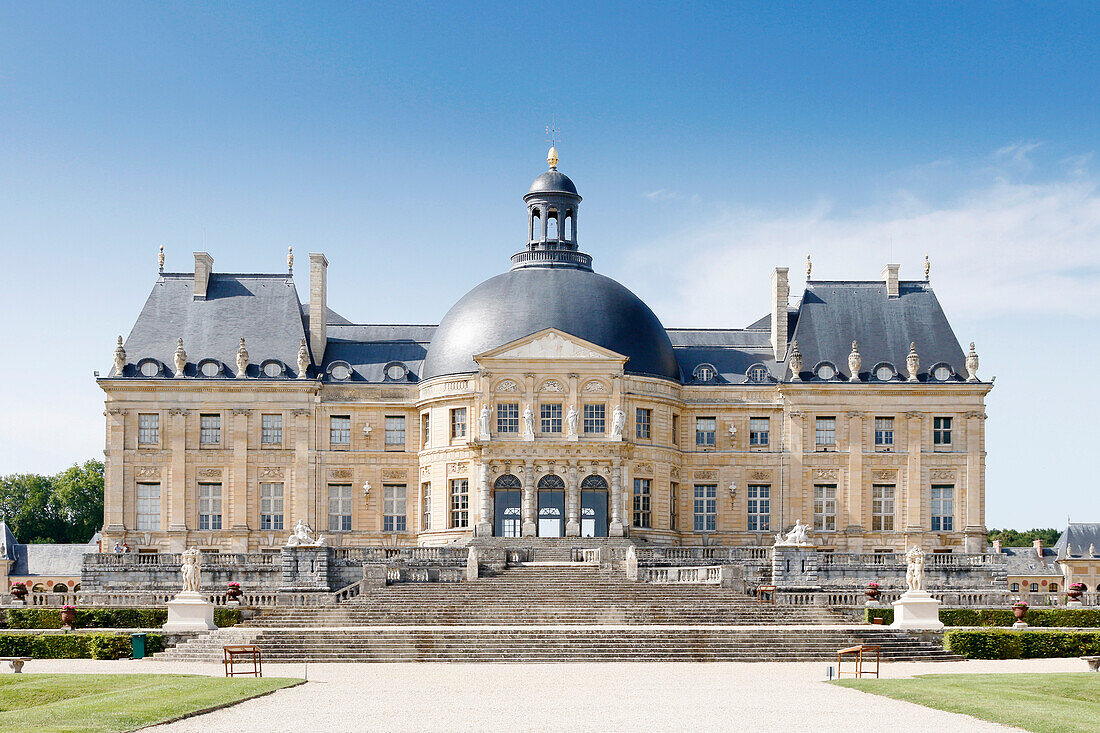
(339, 430)
(339, 507)
(825, 438)
(148, 507)
(508, 417)
(425, 506)
(642, 515)
(706, 507)
(675, 429)
(149, 429)
(941, 431)
(943, 508)
(705, 429)
(395, 431)
(594, 418)
(759, 431)
(394, 518)
(884, 433)
(825, 507)
(643, 420)
(760, 507)
(458, 423)
(271, 429)
(210, 429)
(882, 508)
(425, 430)
(673, 505)
(460, 503)
(210, 506)
(550, 417)
(271, 506)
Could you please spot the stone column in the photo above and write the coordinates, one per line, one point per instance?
(975, 483)
(615, 529)
(529, 509)
(914, 488)
(238, 481)
(855, 493)
(298, 500)
(484, 526)
(572, 502)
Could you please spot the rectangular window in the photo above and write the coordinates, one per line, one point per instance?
(458, 423)
(643, 420)
(339, 507)
(705, 428)
(760, 507)
(425, 430)
(460, 503)
(884, 433)
(508, 417)
(148, 507)
(339, 430)
(271, 506)
(395, 431)
(706, 507)
(825, 507)
(271, 429)
(394, 518)
(426, 506)
(759, 431)
(943, 508)
(673, 505)
(594, 418)
(825, 438)
(882, 508)
(149, 429)
(641, 502)
(941, 431)
(550, 418)
(675, 429)
(210, 506)
(210, 429)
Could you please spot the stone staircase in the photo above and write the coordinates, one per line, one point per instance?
(553, 614)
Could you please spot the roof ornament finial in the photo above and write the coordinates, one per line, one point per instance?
(912, 361)
(794, 359)
(242, 360)
(927, 267)
(120, 358)
(303, 361)
(160, 260)
(552, 137)
(855, 361)
(290, 260)
(972, 364)
(809, 266)
(180, 358)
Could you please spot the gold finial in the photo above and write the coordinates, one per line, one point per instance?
(290, 259)
(552, 157)
(160, 259)
(927, 267)
(809, 267)
(552, 138)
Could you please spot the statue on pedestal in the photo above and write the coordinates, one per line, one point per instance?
(192, 570)
(797, 537)
(528, 423)
(618, 422)
(571, 418)
(483, 422)
(914, 572)
(301, 537)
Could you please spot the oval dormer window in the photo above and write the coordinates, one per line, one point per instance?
(942, 373)
(884, 373)
(273, 369)
(149, 368)
(210, 369)
(758, 373)
(396, 372)
(826, 371)
(705, 373)
(341, 372)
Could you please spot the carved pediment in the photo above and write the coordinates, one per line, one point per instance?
(550, 344)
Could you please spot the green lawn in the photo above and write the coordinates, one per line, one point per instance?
(48, 703)
(1037, 702)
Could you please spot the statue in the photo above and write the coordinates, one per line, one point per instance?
(732, 431)
(301, 537)
(483, 421)
(242, 360)
(797, 537)
(180, 358)
(303, 361)
(912, 362)
(795, 361)
(855, 361)
(571, 422)
(972, 364)
(914, 572)
(528, 423)
(618, 422)
(192, 570)
(120, 358)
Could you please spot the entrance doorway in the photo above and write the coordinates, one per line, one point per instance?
(551, 506)
(593, 506)
(507, 511)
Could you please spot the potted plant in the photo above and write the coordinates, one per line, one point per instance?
(233, 591)
(1019, 610)
(1074, 591)
(68, 617)
(872, 592)
(18, 591)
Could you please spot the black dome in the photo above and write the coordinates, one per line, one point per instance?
(553, 181)
(527, 300)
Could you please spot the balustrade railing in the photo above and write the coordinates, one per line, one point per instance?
(707, 574)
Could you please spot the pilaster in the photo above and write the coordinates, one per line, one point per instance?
(615, 527)
(572, 501)
(114, 474)
(855, 490)
(529, 527)
(913, 480)
(975, 533)
(299, 485)
(484, 526)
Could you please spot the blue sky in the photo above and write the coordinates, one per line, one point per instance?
(719, 141)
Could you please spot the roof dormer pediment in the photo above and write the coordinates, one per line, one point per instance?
(550, 343)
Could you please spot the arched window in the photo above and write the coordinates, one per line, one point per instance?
(507, 481)
(60, 588)
(594, 482)
(1034, 588)
(758, 373)
(536, 225)
(552, 224)
(1053, 588)
(1015, 588)
(551, 481)
(569, 236)
(705, 373)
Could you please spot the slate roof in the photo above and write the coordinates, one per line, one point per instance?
(833, 314)
(42, 559)
(369, 348)
(1024, 561)
(1076, 540)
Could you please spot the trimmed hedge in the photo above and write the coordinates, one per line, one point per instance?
(104, 618)
(1041, 617)
(1004, 644)
(74, 646)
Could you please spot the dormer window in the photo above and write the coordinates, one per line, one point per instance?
(210, 368)
(340, 371)
(758, 373)
(149, 368)
(825, 371)
(942, 372)
(272, 369)
(705, 373)
(396, 372)
(884, 372)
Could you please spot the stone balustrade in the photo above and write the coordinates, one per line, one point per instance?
(707, 574)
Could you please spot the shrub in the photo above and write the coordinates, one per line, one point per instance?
(1004, 644)
(886, 614)
(104, 618)
(74, 646)
(1041, 617)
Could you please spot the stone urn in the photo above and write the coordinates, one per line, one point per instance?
(68, 617)
(1074, 591)
(233, 591)
(872, 592)
(18, 591)
(1019, 610)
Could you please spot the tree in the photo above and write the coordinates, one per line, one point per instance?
(79, 493)
(67, 507)
(1016, 538)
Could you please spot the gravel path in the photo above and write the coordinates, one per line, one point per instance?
(576, 697)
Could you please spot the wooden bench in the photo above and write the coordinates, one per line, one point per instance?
(766, 593)
(16, 663)
(1094, 663)
(857, 653)
(243, 654)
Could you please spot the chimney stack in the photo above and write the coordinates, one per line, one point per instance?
(1038, 544)
(318, 305)
(890, 275)
(781, 291)
(997, 546)
(204, 265)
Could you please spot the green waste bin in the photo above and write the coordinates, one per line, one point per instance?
(138, 642)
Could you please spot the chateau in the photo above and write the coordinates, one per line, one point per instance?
(549, 401)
